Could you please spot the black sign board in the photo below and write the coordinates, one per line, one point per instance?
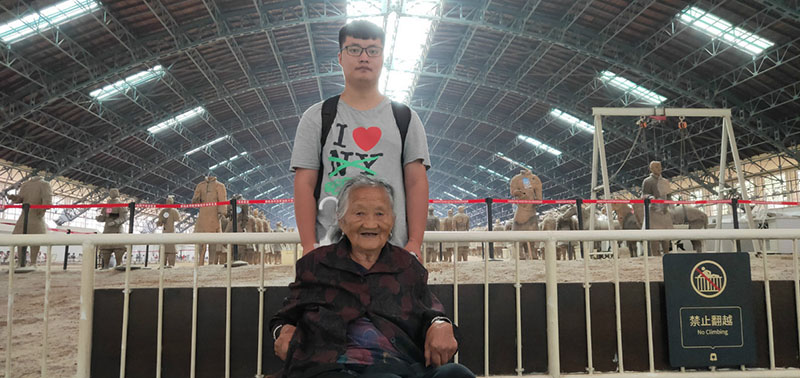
(709, 309)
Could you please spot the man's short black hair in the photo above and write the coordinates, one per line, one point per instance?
(361, 29)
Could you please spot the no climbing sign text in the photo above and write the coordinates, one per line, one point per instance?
(709, 309)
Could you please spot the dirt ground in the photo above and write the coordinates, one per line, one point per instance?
(64, 294)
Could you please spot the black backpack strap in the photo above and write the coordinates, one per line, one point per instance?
(328, 115)
(402, 116)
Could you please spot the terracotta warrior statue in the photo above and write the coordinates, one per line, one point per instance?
(253, 225)
(657, 187)
(114, 218)
(497, 252)
(526, 186)
(277, 248)
(35, 191)
(166, 219)
(257, 226)
(449, 248)
(269, 248)
(208, 219)
(433, 224)
(461, 223)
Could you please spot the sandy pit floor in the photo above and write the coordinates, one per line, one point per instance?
(28, 326)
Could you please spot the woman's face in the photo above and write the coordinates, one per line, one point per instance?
(369, 219)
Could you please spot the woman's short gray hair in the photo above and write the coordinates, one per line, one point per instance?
(334, 234)
(360, 181)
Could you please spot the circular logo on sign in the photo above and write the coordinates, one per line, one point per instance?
(708, 279)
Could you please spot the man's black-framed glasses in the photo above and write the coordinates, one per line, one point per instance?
(356, 50)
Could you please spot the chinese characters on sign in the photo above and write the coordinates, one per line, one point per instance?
(709, 311)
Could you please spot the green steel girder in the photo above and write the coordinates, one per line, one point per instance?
(524, 34)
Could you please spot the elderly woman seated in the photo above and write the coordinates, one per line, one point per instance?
(362, 307)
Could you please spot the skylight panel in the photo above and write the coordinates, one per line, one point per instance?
(632, 88)
(127, 83)
(247, 172)
(233, 158)
(718, 28)
(470, 180)
(274, 188)
(176, 120)
(465, 191)
(512, 161)
(452, 196)
(209, 144)
(540, 145)
(495, 174)
(45, 19)
(406, 40)
(572, 120)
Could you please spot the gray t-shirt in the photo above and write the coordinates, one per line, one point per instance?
(360, 142)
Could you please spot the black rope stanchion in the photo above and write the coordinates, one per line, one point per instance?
(97, 261)
(23, 250)
(735, 213)
(66, 251)
(647, 224)
(146, 254)
(131, 212)
(579, 213)
(489, 227)
(233, 219)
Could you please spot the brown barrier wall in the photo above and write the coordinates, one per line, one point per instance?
(141, 352)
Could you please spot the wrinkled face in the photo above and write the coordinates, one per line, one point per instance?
(362, 68)
(170, 200)
(369, 219)
(113, 193)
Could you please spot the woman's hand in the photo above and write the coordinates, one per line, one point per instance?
(440, 344)
(282, 343)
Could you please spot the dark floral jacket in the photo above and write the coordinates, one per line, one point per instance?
(329, 292)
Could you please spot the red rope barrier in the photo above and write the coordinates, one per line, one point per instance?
(456, 201)
(439, 201)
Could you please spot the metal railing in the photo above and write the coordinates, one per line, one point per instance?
(550, 238)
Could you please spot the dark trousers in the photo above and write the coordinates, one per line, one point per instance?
(444, 371)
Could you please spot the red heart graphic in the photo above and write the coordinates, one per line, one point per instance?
(367, 138)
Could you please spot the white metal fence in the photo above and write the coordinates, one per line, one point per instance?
(550, 238)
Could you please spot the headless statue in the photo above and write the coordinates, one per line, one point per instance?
(35, 191)
(113, 219)
(253, 225)
(449, 248)
(433, 224)
(208, 218)
(269, 248)
(461, 223)
(166, 219)
(498, 246)
(526, 186)
(657, 187)
(278, 248)
(257, 226)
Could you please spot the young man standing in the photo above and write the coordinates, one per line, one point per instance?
(364, 138)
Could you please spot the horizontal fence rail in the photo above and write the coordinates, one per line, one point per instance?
(549, 240)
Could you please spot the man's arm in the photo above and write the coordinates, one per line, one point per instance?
(416, 188)
(305, 207)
